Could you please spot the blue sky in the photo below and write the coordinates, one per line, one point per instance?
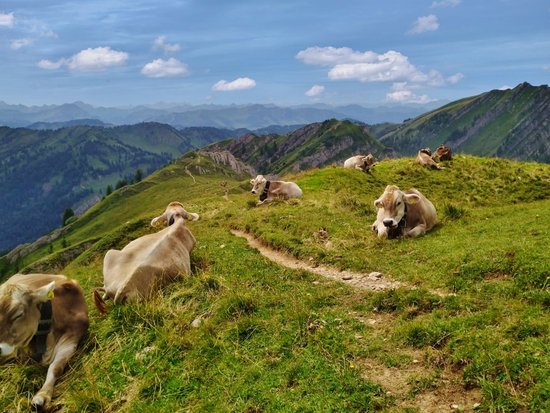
(370, 52)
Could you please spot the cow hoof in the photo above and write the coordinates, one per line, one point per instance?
(38, 401)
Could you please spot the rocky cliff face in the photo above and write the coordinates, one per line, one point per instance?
(226, 158)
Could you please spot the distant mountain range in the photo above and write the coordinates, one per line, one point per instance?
(513, 123)
(229, 117)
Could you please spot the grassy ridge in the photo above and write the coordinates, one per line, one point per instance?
(273, 339)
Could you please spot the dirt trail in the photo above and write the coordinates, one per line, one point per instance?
(372, 281)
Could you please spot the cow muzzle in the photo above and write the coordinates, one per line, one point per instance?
(6, 350)
(253, 191)
(389, 223)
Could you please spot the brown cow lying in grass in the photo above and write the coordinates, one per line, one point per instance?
(149, 262)
(47, 314)
(406, 214)
(424, 158)
(442, 153)
(270, 190)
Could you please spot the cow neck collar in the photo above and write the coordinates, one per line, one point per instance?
(38, 341)
(399, 230)
(263, 196)
(403, 221)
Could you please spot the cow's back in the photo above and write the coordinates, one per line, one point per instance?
(147, 262)
(354, 160)
(422, 211)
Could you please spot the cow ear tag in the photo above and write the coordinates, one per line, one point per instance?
(50, 294)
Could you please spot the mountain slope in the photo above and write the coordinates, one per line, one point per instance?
(245, 334)
(513, 123)
(314, 145)
(45, 171)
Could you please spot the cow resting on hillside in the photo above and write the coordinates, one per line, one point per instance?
(361, 162)
(407, 214)
(442, 153)
(424, 158)
(270, 190)
(46, 313)
(150, 261)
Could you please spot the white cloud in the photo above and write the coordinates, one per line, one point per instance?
(505, 87)
(425, 24)
(19, 43)
(330, 56)
(160, 43)
(457, 77)
(401, 93)
(315, 90)
(88, 60)
(241, 83)
(165, 68)
(446, 3)
(369, 66)
(7, 19)
(49, 65)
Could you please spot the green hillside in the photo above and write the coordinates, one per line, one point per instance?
(473, 331)
(512, 123)
(314, 145)
(45, 171)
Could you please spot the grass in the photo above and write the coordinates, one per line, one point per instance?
(275, 340)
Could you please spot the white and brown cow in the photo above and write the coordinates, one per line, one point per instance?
(361, 162)
(424, 158)
(442, 153)
(46, 314)
(403, 213)
(270, 190)
(148, 262)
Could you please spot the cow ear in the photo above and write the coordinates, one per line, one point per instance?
(252, 181)
(378, 204)
(44, 293)
(412, 199)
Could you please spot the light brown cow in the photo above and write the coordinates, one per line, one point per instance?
(148, 262)
(54, 340)
(361, 162)
(270, 190)
(424, 158)
(442, 153)
(407, 214)
(172, 210)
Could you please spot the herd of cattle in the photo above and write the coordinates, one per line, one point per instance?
(47, 315)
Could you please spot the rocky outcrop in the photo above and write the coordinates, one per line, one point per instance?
(226, 158)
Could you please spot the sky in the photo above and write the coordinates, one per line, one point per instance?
(285, 52)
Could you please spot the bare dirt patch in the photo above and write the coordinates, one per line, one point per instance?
(422, 388)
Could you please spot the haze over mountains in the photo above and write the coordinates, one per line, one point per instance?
(232, 117)
(66, 163)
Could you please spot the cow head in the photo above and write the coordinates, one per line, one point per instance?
(392, 207)
(20, 314)
(173, 211)
(258, 184)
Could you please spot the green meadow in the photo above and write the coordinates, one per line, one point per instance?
(469, 332)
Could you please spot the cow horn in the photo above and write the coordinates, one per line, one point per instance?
(99, 302)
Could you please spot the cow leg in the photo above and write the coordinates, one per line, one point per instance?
(63, 351)
(416, 231)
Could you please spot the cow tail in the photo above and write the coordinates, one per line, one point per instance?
(99, 302)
